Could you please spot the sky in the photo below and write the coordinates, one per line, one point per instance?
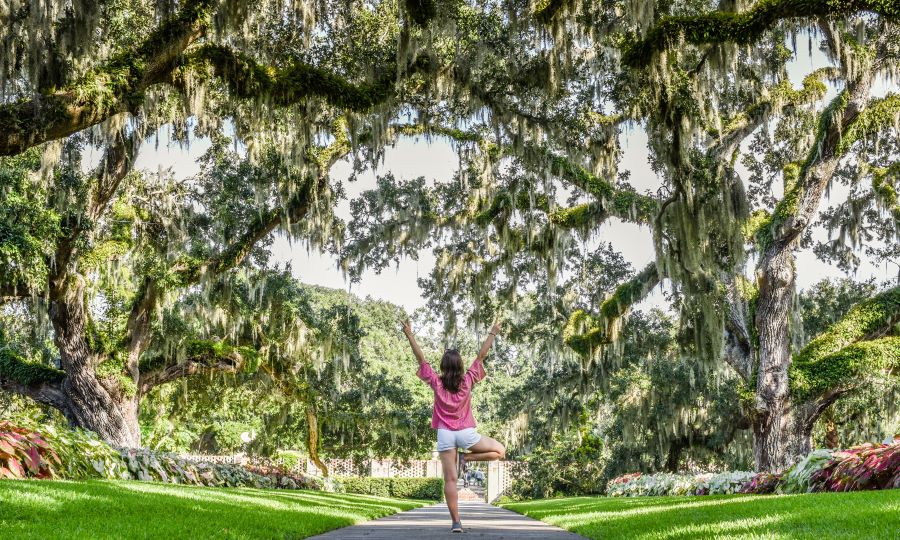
(436, 160)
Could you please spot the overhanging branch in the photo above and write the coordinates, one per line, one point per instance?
(247, 79)
(116, 86)
(745, 27)
(36, 381)
(203, 357)
(854, 347)
(586, 332)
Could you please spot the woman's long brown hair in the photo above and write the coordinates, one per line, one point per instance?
(451, 370)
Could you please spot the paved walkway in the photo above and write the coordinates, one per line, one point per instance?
(480, 520)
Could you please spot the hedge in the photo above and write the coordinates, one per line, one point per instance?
(431, 489)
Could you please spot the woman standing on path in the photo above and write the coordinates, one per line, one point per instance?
(452, 415)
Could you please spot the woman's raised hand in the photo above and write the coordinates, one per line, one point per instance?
(407, 328)
(495, 329)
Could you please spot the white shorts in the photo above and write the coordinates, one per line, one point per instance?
(451, 440)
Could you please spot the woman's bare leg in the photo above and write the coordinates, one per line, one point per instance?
(448, 463)
(487, 449)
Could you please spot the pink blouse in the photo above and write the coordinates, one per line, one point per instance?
(452, 411)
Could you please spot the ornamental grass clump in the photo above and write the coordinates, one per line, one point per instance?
(25, 453)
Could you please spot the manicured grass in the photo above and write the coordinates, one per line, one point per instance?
(870, 514)
(122, 510)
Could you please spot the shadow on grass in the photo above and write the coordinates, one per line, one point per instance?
(815, 516)
(41, 509)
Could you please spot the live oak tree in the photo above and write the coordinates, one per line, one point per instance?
(704, 82)
(102, 255)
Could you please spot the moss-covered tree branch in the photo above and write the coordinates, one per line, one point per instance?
(546, 10)
(246, 79)
(421, 11)
(586, 332)
(854, 347)
(805, 182)
(36, 381)
(780, 97)
(118, 85)
(202, 357)
(625, 204)
(745, 27)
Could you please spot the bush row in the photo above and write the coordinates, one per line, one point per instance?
(26, 452)
(865, 467)
(78, 454)
(431, 489)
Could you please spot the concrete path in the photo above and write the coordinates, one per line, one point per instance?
(480, 520)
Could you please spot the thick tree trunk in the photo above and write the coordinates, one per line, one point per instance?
(779, 440)
(92, 405)
(673, 458)
(113, 420)
(774, 430)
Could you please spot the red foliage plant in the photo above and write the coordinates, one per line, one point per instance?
(869, 466)
(625, 478)
(25, 453)
(762, 484)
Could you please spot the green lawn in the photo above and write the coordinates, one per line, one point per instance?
(120, 510)
(871, 514)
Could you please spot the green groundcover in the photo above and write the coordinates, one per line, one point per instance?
(122, 510)
(819, 516)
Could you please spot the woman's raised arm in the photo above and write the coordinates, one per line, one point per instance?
(488, 341)
(407, 331)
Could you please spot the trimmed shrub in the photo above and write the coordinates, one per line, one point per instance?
(290, 458)
(380, 487)
(401, 488)
(575, 464)
(431, 489)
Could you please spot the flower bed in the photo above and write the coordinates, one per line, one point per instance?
(663, 484)
(865, 467)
